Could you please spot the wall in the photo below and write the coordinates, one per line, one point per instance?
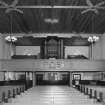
(98, 49)
(90, 75)
(27, 50)
(103, 46)
(9, 76)
(1, 47)
(9, 50)
(87, 76)
(1, 76)
(77, 50)
(6, 50)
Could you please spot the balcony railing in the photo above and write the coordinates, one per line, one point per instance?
(52, 65)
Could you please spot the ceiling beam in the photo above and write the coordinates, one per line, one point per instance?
(63, 35)
(56, 7)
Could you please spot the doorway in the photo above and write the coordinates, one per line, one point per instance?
(76, 79)
(52, 78)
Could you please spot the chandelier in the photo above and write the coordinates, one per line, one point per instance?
(93, 39)
(11, 38)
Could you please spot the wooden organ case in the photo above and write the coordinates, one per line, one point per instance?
(53, 48)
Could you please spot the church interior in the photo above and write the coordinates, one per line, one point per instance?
(52, 52)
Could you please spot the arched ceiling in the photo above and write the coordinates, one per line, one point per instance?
(70, 20)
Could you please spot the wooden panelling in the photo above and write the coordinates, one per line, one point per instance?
(52, 65)
(17, 65)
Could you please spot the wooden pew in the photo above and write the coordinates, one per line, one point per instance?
(7, 92)
(86, 92)
(95, 92)
(90, 94)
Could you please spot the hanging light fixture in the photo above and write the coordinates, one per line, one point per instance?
(53, 19)
(93, 39)
(11, 38)
(10, 8)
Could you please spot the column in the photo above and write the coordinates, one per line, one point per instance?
(59, 49)
(6, 49)
(90, 52)
(70, 81)
(45, 50)
(34, 79)
(1, 47)
(62, 49)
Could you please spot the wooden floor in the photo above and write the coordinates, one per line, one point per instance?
(52, 95)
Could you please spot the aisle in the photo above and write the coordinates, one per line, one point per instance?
(53, 95)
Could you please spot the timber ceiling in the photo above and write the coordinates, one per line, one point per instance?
(70, 20)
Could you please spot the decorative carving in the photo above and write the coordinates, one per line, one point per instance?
(52, 64)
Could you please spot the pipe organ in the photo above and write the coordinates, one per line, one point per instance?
(53, 47)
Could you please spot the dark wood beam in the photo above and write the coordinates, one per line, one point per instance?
(56, 7)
